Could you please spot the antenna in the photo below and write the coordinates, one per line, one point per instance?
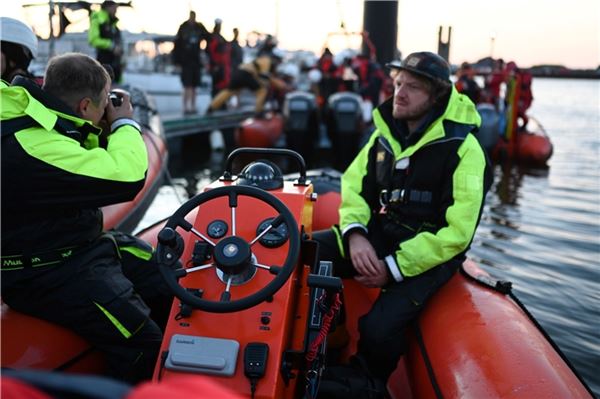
(340, 12)
(51, 38)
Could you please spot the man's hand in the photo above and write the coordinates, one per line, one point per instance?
(379, 280)
(363, 255)
(125, 110)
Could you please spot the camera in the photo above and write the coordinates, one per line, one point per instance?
(116, 99)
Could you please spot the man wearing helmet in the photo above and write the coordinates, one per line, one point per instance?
(18, 47)
(411, 201)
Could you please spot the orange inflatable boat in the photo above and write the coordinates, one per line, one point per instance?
(529, 147)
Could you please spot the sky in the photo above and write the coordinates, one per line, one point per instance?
(530, 32)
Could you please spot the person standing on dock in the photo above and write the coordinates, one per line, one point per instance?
(237, 52)
(186, 54)
(411, 201)
(219, 52)
(104, 35)
(57, 262)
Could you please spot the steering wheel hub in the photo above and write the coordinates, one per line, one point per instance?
(232, 255)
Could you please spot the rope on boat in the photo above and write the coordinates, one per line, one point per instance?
(427, 361)
(165, 169)
(139, 102)
(313, 348)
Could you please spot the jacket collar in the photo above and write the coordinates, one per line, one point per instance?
(456, 108)
(46, 99)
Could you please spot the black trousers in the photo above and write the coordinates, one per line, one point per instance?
(107, 57)
(102, 294)
(383, 328)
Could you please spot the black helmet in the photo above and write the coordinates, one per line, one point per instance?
(426, 64)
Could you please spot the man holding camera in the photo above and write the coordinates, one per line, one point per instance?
(57, 263)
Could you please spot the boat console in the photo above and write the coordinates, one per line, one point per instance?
(250, 294)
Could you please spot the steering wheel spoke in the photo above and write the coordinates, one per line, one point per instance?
(226, 295)
(270, 269)
(200, 235)
(199, 268)
(273, 225)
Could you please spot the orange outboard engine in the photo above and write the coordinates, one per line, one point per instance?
(245, 312)
(344, 126)
(301, 122)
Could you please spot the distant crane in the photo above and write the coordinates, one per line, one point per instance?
(444, 46)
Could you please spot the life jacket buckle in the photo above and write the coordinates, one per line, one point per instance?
(397, 196)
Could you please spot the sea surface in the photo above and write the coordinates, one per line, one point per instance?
(540, 228)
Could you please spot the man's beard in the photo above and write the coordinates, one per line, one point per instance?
(414, 114)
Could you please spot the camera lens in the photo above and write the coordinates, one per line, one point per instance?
(115, 99)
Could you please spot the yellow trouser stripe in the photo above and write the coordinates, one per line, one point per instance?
(116, 322)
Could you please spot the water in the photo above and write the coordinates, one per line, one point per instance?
(540, 229)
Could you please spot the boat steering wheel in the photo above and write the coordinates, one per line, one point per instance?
(231, 255)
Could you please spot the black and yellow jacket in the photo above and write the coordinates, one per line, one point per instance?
(424, 192)
(55, 175)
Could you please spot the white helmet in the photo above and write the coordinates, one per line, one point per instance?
(15, 31)
(314, 76)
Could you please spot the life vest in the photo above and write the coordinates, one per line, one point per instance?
(326, 65)
(411, 189)
(526, 96)
(219, 52)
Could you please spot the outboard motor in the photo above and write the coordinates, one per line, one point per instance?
(344, 126)
(301, 123)
(489, 132)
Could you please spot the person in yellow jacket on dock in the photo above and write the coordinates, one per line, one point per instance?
(104, 35)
